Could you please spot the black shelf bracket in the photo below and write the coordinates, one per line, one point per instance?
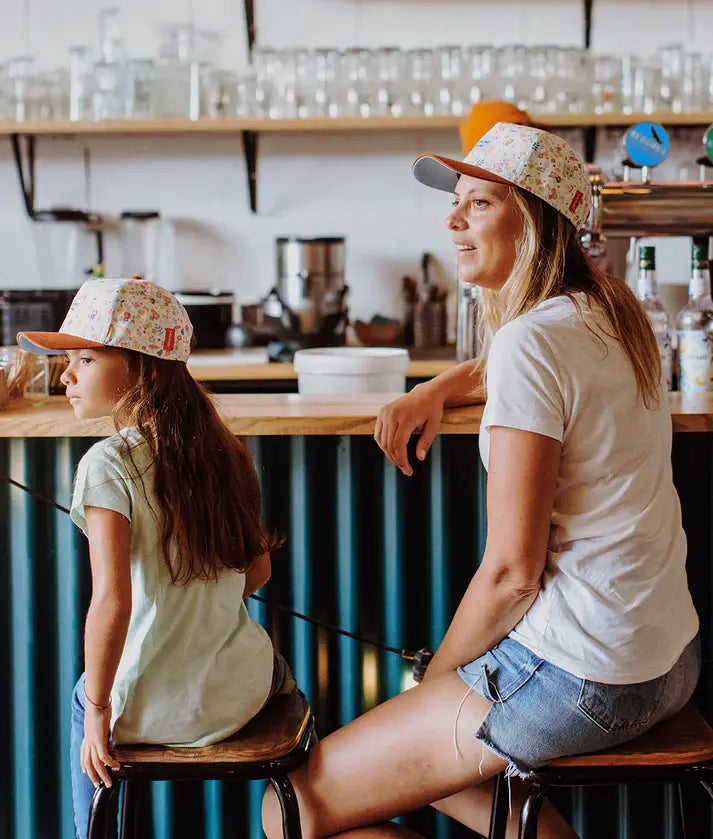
(250, 139)
(249, 8)
(588, 4)
(590, 134)
(23, 151)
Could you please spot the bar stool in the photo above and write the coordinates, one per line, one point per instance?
(677, 750)
(272, 744)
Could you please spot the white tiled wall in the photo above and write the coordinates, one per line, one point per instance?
(357, 185)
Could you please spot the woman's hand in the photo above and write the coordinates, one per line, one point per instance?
(420, 410)
(94, 752)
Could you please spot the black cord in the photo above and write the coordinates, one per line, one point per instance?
(409, 656)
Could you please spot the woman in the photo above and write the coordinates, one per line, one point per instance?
(577, 632)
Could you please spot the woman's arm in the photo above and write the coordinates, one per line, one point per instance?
(257, 575)
(422, 409)
(522, 477)
(104, 632)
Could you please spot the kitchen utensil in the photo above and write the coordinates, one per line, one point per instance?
(140, 244)
(69, 244)
(211, 313)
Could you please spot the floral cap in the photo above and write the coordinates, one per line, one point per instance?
(538, 161)
(130, 314)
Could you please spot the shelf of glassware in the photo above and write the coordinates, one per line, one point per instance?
(221, 126)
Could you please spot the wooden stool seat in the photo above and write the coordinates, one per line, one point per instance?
(269, 747)
(677, 750)
(685, 738)
(272, 734)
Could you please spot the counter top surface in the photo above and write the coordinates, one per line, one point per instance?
(292, 414)
(251, 364)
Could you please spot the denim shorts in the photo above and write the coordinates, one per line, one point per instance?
(540, 712)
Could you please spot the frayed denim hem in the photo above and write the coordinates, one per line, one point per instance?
(512, 770)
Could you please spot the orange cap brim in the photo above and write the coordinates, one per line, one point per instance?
(442, 172)
(53, 343)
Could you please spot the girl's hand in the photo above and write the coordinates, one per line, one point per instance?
(94, 753)
(420, 410)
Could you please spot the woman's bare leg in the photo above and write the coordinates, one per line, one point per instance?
(468, 806)
(394, 759)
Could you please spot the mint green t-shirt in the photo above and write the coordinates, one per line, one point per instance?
(195, 666)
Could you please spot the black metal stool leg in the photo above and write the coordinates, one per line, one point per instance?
(129, 810)
(291, 828)
(102, 812)
(499, 810)
(530, 812)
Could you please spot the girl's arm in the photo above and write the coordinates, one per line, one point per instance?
(104, 632)
(257, 575)
(522, 477)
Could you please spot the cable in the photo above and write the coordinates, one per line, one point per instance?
(417, 657)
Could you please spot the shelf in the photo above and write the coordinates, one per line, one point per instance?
(60, 128)
(23, 135)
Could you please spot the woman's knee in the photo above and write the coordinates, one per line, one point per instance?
(271, 814)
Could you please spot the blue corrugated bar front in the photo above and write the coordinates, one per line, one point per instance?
(366, 548)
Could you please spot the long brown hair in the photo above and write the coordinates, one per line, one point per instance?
(550, 262)
(204, 478)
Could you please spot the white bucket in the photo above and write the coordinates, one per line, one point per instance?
(333, 370)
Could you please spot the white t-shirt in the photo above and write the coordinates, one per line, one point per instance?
(195, 667)
(614, 605)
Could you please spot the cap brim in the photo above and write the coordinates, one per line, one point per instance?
(443, 172)
(54, 343)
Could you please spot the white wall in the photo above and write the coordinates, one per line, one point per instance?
(358, 185)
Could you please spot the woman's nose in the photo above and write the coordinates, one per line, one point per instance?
(455, 220)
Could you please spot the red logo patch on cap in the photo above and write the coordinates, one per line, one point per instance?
(169, 342)
(576, 201)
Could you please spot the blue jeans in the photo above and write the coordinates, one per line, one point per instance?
(540, 712)
(82, 787)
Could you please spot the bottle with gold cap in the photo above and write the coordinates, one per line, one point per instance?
(647, 291)
(695, 326)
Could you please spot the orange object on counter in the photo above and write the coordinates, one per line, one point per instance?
(484, 115)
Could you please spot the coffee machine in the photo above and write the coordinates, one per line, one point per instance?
(307, 307)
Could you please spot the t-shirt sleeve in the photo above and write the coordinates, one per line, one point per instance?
(100, 482)
(524, 389)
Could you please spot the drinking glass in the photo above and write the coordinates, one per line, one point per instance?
(389, 99)
(693, 83)
(510, 63)
(80, 86)
(108, 97)
(478, 77)
(326, 91)
(266, 63)
(21, 76)
(244, 104)
(140, 91)
(640, 85)
(670, 60)
(111, 36)
(450, 72)
(358, 81)
(606, 84)
(421, 77)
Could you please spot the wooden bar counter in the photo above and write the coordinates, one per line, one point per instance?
(263, 414)
(384, 556)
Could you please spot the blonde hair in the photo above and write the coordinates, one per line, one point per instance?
(550, 262)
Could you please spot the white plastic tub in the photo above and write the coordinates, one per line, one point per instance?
(333, 370)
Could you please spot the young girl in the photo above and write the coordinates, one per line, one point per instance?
(171, 507)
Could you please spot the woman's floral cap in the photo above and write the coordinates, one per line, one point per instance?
(538, 161)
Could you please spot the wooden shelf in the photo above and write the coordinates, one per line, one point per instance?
(60, 128)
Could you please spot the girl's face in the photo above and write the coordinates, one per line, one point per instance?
(486, 226)
(95, 381)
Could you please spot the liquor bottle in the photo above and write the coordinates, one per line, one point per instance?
(695, 327)
(648, 293)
